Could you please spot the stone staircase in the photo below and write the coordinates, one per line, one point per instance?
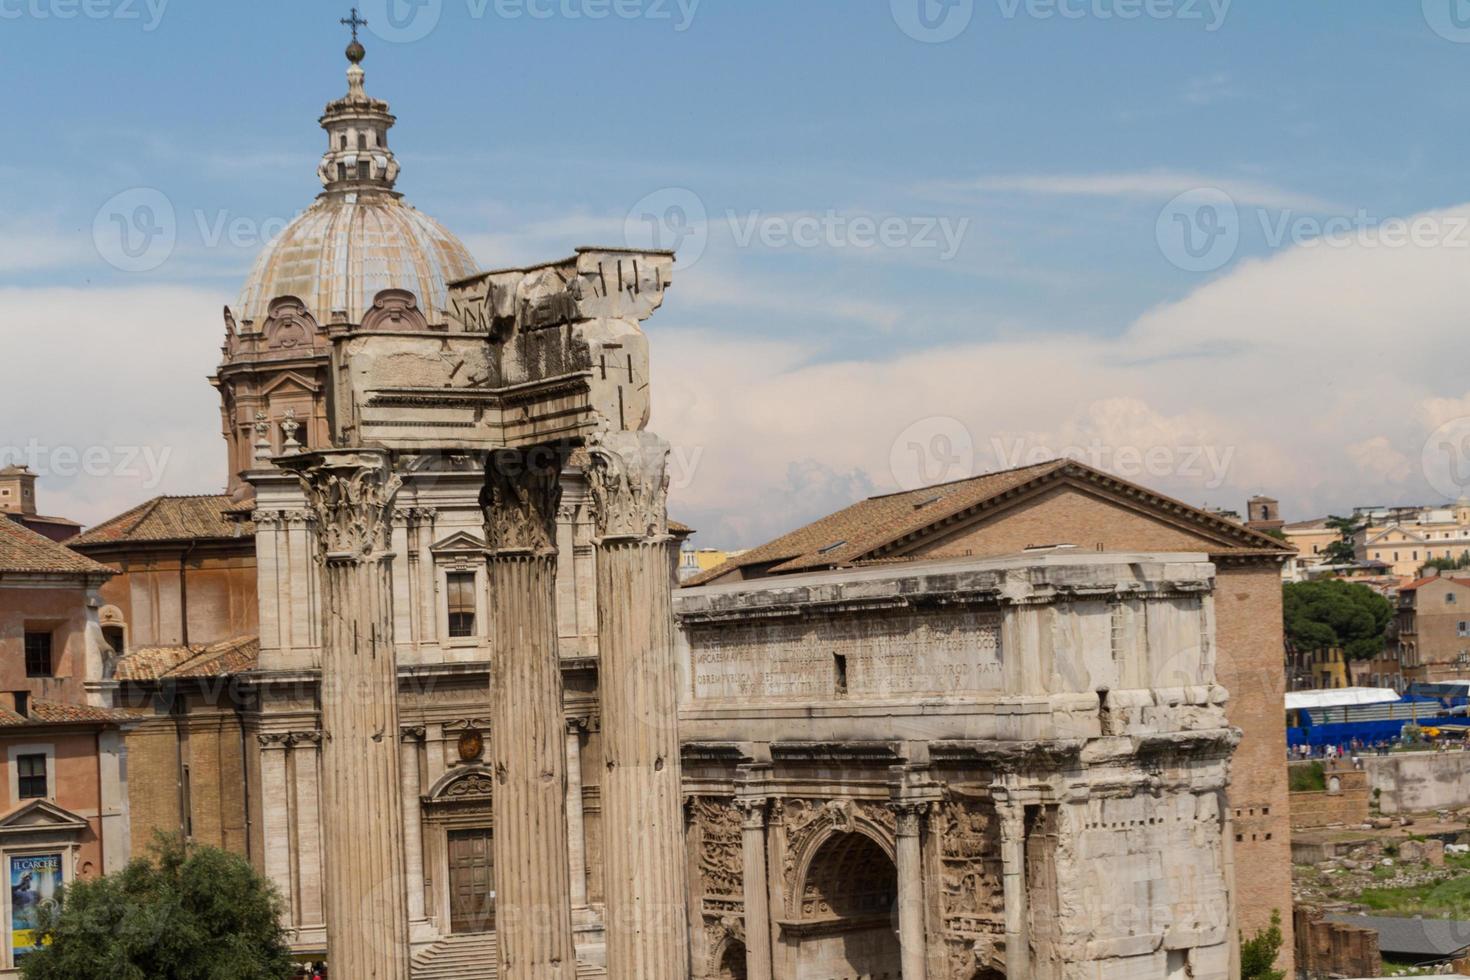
(472, 958)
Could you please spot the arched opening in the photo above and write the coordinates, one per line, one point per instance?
(732, 963)
(988, 974)
(847, 927)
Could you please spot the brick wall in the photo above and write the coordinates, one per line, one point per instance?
(1333, 949)
(1346, 801)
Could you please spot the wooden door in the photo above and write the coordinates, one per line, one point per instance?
(471, 882)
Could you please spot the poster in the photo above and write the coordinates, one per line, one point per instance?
(34, 881)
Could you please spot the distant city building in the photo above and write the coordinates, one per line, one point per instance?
(1431, 629)
(1407, 538)
(18, 502)
(696, 561)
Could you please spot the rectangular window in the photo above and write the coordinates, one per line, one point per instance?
(31, 773)
(461, 604)
(38, 654)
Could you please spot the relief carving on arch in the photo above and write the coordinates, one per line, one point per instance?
(972, 901)
(721, 872)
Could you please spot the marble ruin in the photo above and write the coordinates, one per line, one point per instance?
(1011, 768)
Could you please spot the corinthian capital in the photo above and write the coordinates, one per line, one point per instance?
(629, 480)
(350, 493)
(520, 499)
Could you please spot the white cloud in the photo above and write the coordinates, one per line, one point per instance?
(1315, 375)
(112, 381)
(1149, 185)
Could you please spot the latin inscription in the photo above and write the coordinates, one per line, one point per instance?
(912, 654)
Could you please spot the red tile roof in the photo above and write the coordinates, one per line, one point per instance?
(23, 551)
(169, 519)
(868, 530)
(215, 660)
(42, 712)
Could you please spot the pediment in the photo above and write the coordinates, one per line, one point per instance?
(1405, 536)
(459, 542)
(289, 381)
(41, 816)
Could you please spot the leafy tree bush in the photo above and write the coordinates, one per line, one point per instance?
(185, 913)
(1447, 564)
(1331, 613)
(1258, 955)
(1343, 551)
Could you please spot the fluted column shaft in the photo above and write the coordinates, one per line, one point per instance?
(644, 858)
(533, 915)
(351, 494)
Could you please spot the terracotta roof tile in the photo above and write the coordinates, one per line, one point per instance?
(24, 551)
(862, 533)
(215, 660)
(168, 519)
(63, 713)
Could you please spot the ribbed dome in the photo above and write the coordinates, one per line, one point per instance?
(359, 238)
(347, 248)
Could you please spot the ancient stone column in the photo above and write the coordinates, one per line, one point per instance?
(757, 889)
(1013, 869)
(351, 496)
(910, 818)
(533, 910)
(576, 817)
(644, 859)
(413, 827)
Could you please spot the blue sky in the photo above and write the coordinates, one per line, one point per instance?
(1030, 293)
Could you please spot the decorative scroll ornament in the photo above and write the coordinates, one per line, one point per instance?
(521, 497)
(351, 493)
(628, 476)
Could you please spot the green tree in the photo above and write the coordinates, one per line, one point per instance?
(1446, 564)
(1343, 551)
(1258, 955)
(185, 913)
(1330, 613)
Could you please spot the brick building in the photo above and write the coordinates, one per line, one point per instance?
(182, 613)
(1431, 629)
(1068, 506)
(63, 768)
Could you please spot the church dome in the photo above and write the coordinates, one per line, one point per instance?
(359, 237)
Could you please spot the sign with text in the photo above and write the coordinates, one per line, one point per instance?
(35, 880)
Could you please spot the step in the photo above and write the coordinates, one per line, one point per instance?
(472, 957)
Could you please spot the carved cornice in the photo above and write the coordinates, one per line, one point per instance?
(287, 740)
(351, 493)
(520, 500)
(628, 478)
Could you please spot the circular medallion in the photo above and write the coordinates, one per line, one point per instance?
(471, 746)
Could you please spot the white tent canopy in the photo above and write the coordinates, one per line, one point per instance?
(1339, 697)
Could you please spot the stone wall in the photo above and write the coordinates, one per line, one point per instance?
(1416, 782)
(1333, 949)
(1346, 801)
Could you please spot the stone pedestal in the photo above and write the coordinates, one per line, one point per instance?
(533, 912)
(350, 494)
(644, 859)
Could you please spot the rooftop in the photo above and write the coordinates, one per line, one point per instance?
(221, 659)
(23, 551)
(168, 519)
(869, 530)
